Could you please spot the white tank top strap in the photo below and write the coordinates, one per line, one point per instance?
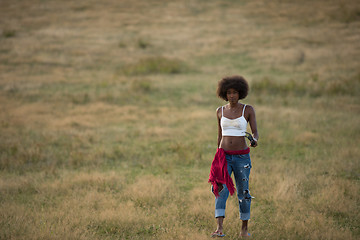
(222, 111)
(243, 110)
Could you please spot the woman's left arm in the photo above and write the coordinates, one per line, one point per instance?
(253, 125)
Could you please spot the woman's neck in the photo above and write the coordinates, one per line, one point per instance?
(233, 105)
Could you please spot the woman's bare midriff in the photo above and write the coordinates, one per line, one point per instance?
(232, 143)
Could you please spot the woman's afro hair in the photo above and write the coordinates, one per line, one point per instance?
(236, 82)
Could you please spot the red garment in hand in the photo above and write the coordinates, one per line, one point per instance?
(219, 172)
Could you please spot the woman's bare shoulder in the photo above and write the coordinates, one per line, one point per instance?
(249, 108)
(218, 112)
(249, 112)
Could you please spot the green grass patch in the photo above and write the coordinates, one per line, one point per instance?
(155, 65)
(8, 33)
(312, 86)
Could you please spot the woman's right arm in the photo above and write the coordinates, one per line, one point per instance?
(219, 126)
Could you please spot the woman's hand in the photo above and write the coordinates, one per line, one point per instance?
(254, 143)
(220, 186)
(253, 140)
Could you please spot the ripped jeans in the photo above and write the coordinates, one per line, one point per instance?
(240, 165)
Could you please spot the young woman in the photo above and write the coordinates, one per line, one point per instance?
(233, 151)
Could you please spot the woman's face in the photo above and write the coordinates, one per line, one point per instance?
(232, 95)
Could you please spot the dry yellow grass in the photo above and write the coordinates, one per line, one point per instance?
(108, 128)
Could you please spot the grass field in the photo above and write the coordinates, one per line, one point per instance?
(108, 125)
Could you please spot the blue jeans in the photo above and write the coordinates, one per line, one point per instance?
(240, 165)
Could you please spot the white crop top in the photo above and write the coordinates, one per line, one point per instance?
(233, 127)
